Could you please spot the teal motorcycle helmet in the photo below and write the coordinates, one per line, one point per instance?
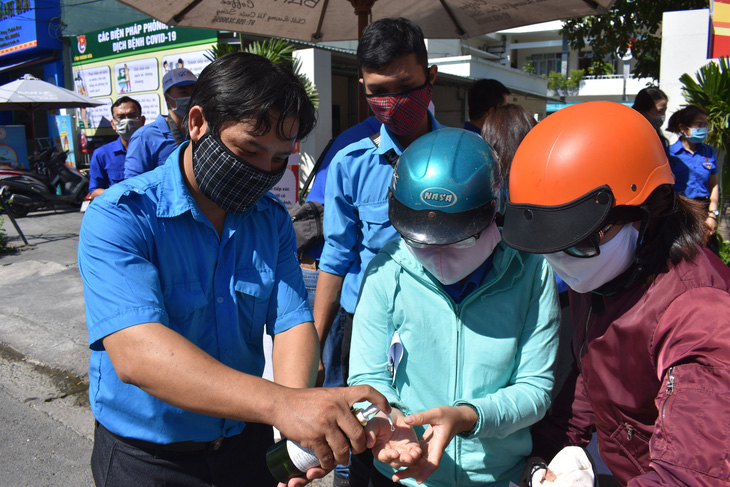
(446, 188)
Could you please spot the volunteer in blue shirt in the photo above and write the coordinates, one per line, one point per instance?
(152, 144)
(456, 329)
(398, 84)
(694, 163)
(184, 268)
(330, 368)
(107, 163)
(484, 96)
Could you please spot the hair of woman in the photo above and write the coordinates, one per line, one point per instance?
(504, 128)
(685, 117)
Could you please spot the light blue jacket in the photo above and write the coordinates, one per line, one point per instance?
(495, 351)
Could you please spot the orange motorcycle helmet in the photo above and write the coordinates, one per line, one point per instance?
(576, 166)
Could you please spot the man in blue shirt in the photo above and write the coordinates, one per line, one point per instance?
(184, 267)
(330, 373)
(398, 83)
(107, 163)
(366, 128)
(152, 144)
(484, 96)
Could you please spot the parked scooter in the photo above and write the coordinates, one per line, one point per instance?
(50, 182)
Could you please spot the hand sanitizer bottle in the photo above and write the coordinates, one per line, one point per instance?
(287, 459)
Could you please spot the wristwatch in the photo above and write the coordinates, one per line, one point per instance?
(716, 213)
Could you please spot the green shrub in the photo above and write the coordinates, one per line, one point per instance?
(724, 247)
(3, 238)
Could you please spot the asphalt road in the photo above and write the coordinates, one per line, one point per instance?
(47, 431)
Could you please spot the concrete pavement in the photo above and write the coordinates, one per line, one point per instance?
(43, 304)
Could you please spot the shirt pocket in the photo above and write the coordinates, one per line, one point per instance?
(374, 218)
(633, 445)
(253, 295)
(115, 174)
(182, 302)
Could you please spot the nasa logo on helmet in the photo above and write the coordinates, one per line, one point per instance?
(438, 197)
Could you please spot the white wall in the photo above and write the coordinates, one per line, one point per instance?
(685, 40)
(317, 65)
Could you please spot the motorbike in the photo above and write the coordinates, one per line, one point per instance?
(50, 182)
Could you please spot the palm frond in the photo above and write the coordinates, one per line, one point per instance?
(218, 50)
(277, 51)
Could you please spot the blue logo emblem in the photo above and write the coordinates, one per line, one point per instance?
(438, 197)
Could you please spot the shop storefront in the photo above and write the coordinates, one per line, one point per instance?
(30, 42)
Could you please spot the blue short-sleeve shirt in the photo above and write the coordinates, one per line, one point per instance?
(692, 171)
(356, 224)
(149, 147)
(147, 254)
(366, 128)
(107, 165)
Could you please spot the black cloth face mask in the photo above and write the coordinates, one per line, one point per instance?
(228, 180)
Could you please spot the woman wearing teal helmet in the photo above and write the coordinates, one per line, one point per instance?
(456, 329)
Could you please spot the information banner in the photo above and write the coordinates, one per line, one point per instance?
(130, 60)
(63, 136)
(287, 189)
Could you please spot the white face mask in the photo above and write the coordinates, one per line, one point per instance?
(584, 275)
(449, 264)
(125, 128)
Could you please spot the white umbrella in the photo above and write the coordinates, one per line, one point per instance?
(332, 20)
(29, 93)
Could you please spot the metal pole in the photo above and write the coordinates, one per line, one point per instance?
(363, 10)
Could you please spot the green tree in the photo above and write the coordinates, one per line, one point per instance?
(564, 85)
(277, 51)
(529, 67)
(634, 24)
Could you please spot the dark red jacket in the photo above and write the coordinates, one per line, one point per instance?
(654, 379)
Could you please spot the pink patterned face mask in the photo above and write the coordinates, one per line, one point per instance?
(402, 112)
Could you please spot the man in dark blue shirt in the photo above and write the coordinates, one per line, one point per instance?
(151, 146)
(484, 96)
(107, 163)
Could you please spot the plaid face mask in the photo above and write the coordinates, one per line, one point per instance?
(402, 112)
(227, 180)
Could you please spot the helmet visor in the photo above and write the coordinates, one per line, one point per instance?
(548, 229)
(434, 227)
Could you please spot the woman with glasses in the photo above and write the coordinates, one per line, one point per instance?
(591, 188)
(456, 329)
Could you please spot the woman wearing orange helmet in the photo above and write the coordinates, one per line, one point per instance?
(590, 187)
